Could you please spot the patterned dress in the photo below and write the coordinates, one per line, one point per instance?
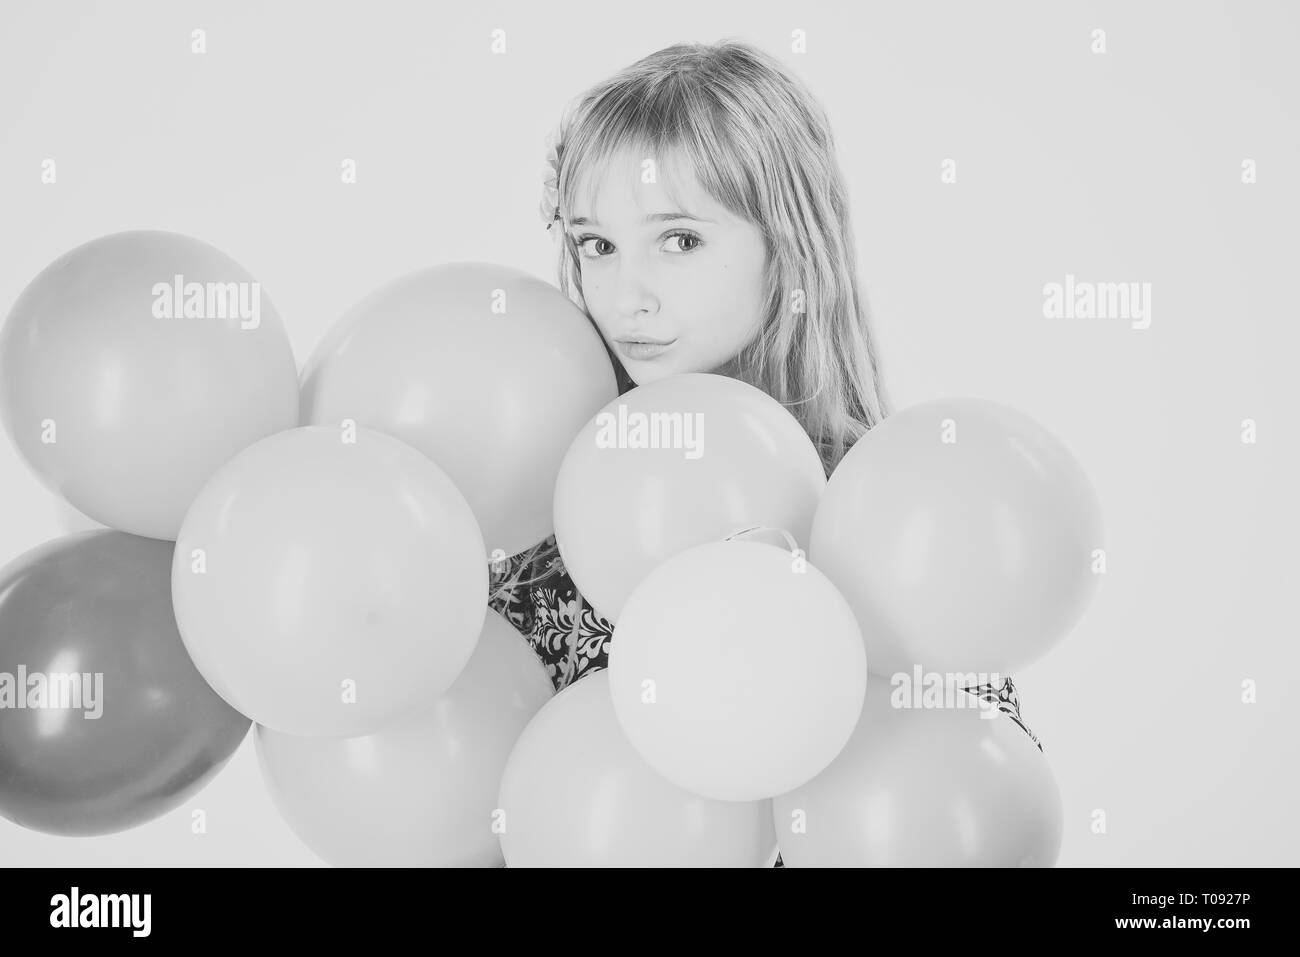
(545, 614)
(572, 640)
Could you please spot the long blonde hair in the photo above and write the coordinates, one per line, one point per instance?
(759, 142)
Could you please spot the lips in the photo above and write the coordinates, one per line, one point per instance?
(642, 349)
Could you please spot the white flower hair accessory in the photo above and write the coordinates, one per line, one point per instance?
(550, 205)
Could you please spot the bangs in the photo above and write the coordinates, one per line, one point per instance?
(675, 129)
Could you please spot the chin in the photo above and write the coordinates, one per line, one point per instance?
(643, 373)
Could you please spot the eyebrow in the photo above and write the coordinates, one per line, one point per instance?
(652, 218)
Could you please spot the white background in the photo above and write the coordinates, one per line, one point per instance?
(1117, 167)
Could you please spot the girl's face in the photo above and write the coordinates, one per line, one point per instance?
(674, 283)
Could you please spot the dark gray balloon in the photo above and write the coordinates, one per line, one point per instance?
(99, 604)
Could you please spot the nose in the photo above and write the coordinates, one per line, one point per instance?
(635, 296)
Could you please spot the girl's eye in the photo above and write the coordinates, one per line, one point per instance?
(582, 246)
(676, 236)
(683, 234)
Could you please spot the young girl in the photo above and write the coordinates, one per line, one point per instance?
(693, 194)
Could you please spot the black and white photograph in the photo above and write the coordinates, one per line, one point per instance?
(753, 435)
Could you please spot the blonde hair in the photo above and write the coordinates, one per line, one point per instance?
(757, 141)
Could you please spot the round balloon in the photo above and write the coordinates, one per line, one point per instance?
(329, 582)
(954, 786)
(575, 794)
(105, 723)
(485, 369)
(681, 461)
(422, 792)
(963, 534)
(737, 670)
(134, 366)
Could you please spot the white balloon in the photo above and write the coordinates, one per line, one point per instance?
(485, 369)
(327, 587)
(964, 535)
(681, 461)
(926, 787)
(135, 365)
(576, 794)
(421, 792)
(737, 670)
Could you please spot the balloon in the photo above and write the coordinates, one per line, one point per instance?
(330, 587)
(124, 396)
(575, 794)
(485, 369)
(737, 670)
(623, 505)
(422, 792)
(962, 533)
(104, 721)
(925, 787)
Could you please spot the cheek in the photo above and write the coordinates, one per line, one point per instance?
(735, 302)
(597, 305)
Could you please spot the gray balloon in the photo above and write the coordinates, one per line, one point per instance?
(105, 723)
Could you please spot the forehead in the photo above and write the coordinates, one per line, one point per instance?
(615, 192)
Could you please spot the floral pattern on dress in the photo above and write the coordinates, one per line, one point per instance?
(570, 642)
